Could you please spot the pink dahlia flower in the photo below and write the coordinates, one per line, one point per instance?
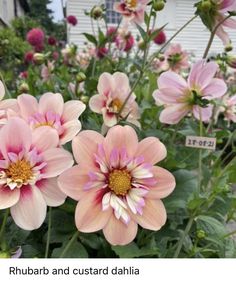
(35, 37)
(124, 40)
(222, 7)
(29, 165)
(132, 10)
(72, 20)
(181, 97)
(6, 106)
(176, 58)
(117, 184)
(51, 111)
(113, 90)
(229, 108)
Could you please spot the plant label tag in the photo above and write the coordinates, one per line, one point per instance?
(201, 142)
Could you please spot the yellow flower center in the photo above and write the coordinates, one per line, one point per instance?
(116, 105)
(119, 181)
(131, 4)
(19, 172)
(44, 124)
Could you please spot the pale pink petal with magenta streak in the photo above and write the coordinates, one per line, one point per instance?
(118, 233)
(110, 119)
(153, 216)
(8, 197)
(51, 102)
(30, 211)
(105, 84)
(28, 105)
(89, 216)
(84, 145)
(165, 183)
(227, 5)
(223, 35)
(152, 150)
(51, 192)
(15, 136)
(57, 160)
(70, 130)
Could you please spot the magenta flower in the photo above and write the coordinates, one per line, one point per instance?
(117, 184)
(181, 97)
(29, 165)
(72, 20)
(132, 10)
(124, 40)
(52, 40)
(51, 111)
(160, 38)
(113, 90)
(35, 37)
(28, 57)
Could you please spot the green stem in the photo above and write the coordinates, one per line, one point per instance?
(69, 244)
(229, 234)
(181, 241)
(200, 153)
(213, 35)
(49, 231)
(3, 224)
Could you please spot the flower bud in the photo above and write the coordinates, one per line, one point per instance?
(141, 45)
(4, 255)
(84, 99)
(228, 47)
(201, 234)
(158, 5)
(24, 88)
(206, 5)
(38, 58)
(231, 61)
(96, 12)
(80, 77)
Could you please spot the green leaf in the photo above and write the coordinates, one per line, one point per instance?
(76, 250)
(142, 33)
(91, 38)
(210, 225)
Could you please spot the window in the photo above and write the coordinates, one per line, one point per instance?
(111, 15)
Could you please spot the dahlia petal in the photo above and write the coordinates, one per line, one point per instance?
(121, 83)
(72, 181)
(71, 129)
(206, 113)
(118, 233)
(72, 110)
(30, 211)
(223, 35)
(106, 201)
(51, 102)
(152, 150)
(8, 197)
(164, 186)
(172, 114)
(121, 137)
(28, 105)
(153, 217)
(167, 95)
(58, 160)
(51, 192)
(142, 171)
(97, 102)
(109, 119)
(206, 74)
(114, 158)
(170, 79)
(227, 5)
(40, 142)
(105, 84)
(89, 216)
(15, 136)
(231, 23)
(215, 89)
(2, 91)
(84, 145)
(194, 72)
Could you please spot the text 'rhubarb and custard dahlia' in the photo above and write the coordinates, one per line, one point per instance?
(117, 184)
(29, 166)
(181, 97)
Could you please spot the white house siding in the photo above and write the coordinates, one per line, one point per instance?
(7, 12)
(176, 13)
